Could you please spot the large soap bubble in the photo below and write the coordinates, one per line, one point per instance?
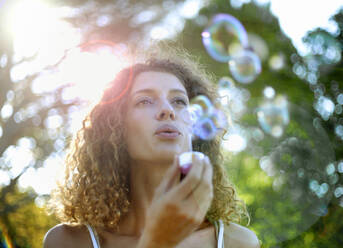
(296, 170)
(223, 37)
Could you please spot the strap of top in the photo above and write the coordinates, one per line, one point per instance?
(219, 226)
(94, 237)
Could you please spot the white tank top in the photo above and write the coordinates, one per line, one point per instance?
(219, 226)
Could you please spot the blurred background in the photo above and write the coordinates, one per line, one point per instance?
(283, 149)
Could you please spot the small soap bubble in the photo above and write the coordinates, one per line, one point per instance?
(339, 130)
(277, 62)
(325, 107)
(273, 117)
(195, 112)
(338, 109)
(338, 192)
(314, 185)
(204, 103)
(223, 37)
(234, 142)
(269, 92)
(259, 45)
(206, 120)
(219, 119)
(257, 134)
(225, 87)
(333, 178)
(322, 190)
(340, 99)
(245, 66)
(205, 129)
(340, 167)
(330, 169)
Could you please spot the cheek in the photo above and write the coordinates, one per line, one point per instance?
(138, 129)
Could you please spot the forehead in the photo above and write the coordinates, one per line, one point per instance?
(155, 80)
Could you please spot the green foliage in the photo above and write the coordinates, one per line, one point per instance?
(285, 211)
(278, 195)
(27, 224)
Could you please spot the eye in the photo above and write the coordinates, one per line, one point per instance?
(144, 101)
(180, 101)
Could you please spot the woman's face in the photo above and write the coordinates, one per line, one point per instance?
(156, 120)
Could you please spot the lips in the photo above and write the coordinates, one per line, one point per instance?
(167, 131)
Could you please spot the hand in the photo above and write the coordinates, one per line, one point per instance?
(178, 208)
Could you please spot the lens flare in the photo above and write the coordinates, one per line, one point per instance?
(4, 238)
(223, 37)
(245, 66)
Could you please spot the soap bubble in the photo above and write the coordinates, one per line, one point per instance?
(269, 92)
(325, 107)
(277, 61)
(202, 102)
(235, 139)
(204, 129)
(245, 66)
(224, 37)
(226, 86)
(258, 45)
(206, 120)
(299, 173)
(340, 99)
(219, 119)
(273, 116)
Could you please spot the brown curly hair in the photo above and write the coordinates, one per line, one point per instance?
(96, 184)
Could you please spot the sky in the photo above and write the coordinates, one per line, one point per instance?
(296, 18)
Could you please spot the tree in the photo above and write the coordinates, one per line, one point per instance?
(264, 172)
(288, 182)
(26, 114)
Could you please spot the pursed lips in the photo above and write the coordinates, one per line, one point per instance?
(167, 131)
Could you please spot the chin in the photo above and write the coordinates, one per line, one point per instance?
(167, 154)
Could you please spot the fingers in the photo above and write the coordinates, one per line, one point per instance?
(202, 195)
(193, 179)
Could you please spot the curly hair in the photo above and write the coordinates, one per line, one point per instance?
(96, 184)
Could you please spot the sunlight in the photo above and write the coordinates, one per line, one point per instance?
(39, 30)
(90, 72)
(37, 27)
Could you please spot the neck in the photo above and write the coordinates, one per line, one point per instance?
(145, 177)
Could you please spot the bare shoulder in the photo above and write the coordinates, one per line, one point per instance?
(238, 236)
(63, 235)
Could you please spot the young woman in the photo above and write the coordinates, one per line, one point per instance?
(122, 183)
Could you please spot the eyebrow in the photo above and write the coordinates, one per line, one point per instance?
(152, 91)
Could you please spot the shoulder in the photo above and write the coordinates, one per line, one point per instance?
(63, 235)
(239, 236)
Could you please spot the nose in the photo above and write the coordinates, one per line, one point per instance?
(166, 112)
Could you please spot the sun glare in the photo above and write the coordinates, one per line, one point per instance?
(38, 29)
(90, 72)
